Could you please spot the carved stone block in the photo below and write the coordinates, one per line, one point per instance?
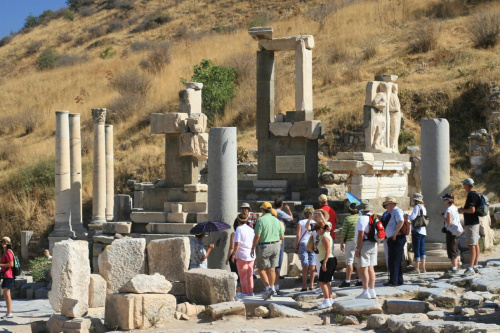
(280, 129)
(168, 123)
(197, 123)
(309, 129)
(195, 144)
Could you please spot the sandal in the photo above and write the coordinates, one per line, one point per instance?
(303, 289)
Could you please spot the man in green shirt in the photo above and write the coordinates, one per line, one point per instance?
(268, 233)
(348, 244)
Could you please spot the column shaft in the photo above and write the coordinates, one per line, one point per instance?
(265, 92)
(110, 173)
(76, 175)
(99, 176)
(303, 78)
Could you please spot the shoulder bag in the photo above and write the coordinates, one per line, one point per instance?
(420, 221)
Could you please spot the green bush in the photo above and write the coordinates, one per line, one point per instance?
(38, 266)
(37, 176)
(47, 59)
(219, 87)
(30, 21)
(152, 21)
(107, 53)
(69, 15)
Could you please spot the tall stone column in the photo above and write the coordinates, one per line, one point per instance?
(62, 228)
(99, 177)
(76, 176)
(222, 189)
(435, 166)
(110, 173)
(303, 78)
(265, 92)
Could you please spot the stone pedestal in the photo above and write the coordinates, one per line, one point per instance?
(110, 173)
(374, 176)
(435, 173)
(222, 189)
(76, 177)
(25, 240)
(99, 177)
(62, 227)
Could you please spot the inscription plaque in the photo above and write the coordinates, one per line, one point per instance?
(291, 164)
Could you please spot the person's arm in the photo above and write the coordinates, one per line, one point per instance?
(297, 237)
(414, 213)
(254, 245)
(231, 248)
(343, 234)
(210, 248)
(470, 210)
(288, 215)
(471, 203)
(236, 248)
(398, 228)
(10, 263)
(448, 219)
(359, 243)
(326, 244)
(308, 224)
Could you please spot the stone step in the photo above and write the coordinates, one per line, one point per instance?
(187, 207)
(148, 217)
(251, 303)
(150, 237)
(169, 228)
(42, 293)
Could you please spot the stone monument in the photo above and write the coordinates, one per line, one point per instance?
(480, 148)
(287, 144)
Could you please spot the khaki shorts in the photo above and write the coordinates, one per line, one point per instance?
(368, 254)
(471, 234)
(350, 252)
(269, 256)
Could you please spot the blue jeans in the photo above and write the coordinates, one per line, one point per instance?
(418, 241)
(396, 250)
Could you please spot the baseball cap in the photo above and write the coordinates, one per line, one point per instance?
(245, 205)
(323, 198)
(266, 206)
(6, 239)
(467, 181)
(274, 212)
(448, 196)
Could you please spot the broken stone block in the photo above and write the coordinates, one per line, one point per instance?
(397, 306)
(190, 101)
(55, 323)
(123, 260)
(162, 123)
(194, 85)
(177, 217)
(97, 291)
(195, 144)
(377, 321)
(178, 252)
(139, 311)
(281, 311)
(178, 288)
(147, 284)
(219, 310)
(280, 129)
(279, 118)
(350, 320)
(191, 310)
(262, 311)
(196, 188)
(197, 123)
(258, 33)
(70, 272)
(175, 208)
(470, 298)
(74, 308)
(116, 228)
(360, 306)
(286, 43)
(210, 286)
(308, 129)
(405, 322)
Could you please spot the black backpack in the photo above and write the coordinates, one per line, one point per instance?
(16, 270)
(484, 206)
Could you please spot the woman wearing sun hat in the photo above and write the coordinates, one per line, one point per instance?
(418, 234)
(453, 229)
(7, 264)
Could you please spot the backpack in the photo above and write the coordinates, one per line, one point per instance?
(16, 270)
(484, 206)
(386, 217)
(376, 231)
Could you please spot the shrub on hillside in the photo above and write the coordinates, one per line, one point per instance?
(68, 14)
(424, 38)
(141, 45)
(120, 4)
(485, 29)
(369, 47)
(449, 8)
(45, 17)
(121, 108)
(40, 175)
(6, 40)
(219, 87)
(131, 83)
(107, 53)
(47, 59)
(86, 11)
(152, 21)
(64, 38)
(115, 25)
(30, 22)
(33, 47)
(260, 19)
(95, 32)
(67, 60)
(157, 58)
(78, 4)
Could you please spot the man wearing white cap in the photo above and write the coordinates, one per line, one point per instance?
(471, 221)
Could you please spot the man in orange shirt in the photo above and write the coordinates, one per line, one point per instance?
(323, 204)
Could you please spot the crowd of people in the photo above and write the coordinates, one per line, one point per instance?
(259, 242)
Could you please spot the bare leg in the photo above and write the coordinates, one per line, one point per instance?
(8, 300)
(263, 276)
(364, 276)
(417, 265)
(423, 264)
(311, 276)
(277, 279)
(324, 289)
(304, 276)
(348, 272)
(478, 250)
(454, 262)
(473, 254)
(371, 277)
(271, 274)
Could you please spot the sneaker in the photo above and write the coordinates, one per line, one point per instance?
(239, 295)
(303, 289)
(414, 271)
(452, 271)
(7, 316)
(279, 293)
(344, 284)
(364, 296)
(372, 294)
(389, 284)
(359, 284)
(476, 270)
(325, 304)
(268, 294)
(469, 272)
(423, 271)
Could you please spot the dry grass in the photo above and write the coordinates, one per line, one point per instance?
(353, 43)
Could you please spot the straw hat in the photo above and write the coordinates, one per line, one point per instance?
(418, 197)
(327, 216)
(389, 200)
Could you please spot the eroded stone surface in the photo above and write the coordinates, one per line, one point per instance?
(278, 311)
(147, 284)
(178, 252)
(219, 310)
(210, 286)
(97, 291)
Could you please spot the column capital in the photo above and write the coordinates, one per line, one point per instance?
(99, 115)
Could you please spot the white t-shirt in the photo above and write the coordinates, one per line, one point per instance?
(363, 225)
(244, 235)
(455, 218)
(414, 214)
(304, 233)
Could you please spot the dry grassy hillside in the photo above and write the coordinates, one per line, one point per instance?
(151, 44)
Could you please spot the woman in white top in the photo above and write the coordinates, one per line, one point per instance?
(243, 241)
(307, 258)
(453, 229)
(418, 234)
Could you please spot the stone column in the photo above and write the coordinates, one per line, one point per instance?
(25, 241)
(110, 173)
(76, 176)
(62, 227)
(99, 177)
(435, 173)
(265, 92)
(303, 78)
(222, 189)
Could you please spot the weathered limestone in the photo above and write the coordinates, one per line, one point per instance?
(262, 311)
(222, 189)
(406, 306)
(123, 260)
(281, 311)
(122, 207)
(25, 240)
(110, 172)
(74, 308)
(405, 322)
(210, 286)
(190, 309)
(280, 128)
(97, 291)
(191, 98)
(377, 321)
(233, 308)
(178, 252)
(480, 147)
(139, 311)
(259, 33)
(70, 272)
(99, 177)
(303, 75)
(286, 43)
(194, 144)
(168, 123)
(310, 129)
(147, 284)
(436, 172)
(76, 176)
(62, 227)
(117, 228)
(197, 122)
(348, 307)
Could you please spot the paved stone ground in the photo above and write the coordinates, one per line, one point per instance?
(430, 302)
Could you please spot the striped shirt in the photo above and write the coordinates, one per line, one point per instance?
(348, 232)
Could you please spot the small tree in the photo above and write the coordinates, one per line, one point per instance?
(47, 59)
(219, 86)
(30, 21)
